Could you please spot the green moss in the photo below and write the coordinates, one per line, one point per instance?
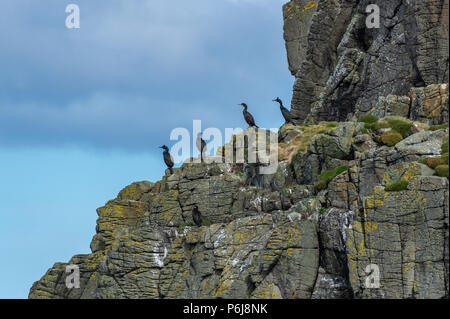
(380, 125)
(368, 119)
(377, 125)
(326, 177)
(401, 126)
(434, 162)
(331, 124)
(442, 171)
(397, 186)
(370, 126)
(206, 223)
(301, 141)
(444, 157)
(364, 131)
(185, 224)
(391, 138)
(323, 210)
(444, 147)
(438, 127)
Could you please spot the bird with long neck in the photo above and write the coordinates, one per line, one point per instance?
(201, 145)
(197, 216)
(247, 116)
(284, 111)
(168, 159)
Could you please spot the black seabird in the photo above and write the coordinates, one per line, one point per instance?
(201, 145)
(247, 116)
(284, 111)
(197, 216)
(167, 158)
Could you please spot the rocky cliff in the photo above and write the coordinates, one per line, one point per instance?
(294, 236)
(343, 68)
(355, 209)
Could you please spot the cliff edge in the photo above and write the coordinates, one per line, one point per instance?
(357, 208)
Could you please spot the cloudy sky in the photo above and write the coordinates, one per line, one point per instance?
(82, 111)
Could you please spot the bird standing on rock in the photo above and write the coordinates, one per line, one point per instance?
(168, 159)
(284, 111)
(197, 216)
(201, 145)
(247, 116)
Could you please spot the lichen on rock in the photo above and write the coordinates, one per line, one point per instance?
(278, 235)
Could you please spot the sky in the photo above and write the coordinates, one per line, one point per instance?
(83, 111)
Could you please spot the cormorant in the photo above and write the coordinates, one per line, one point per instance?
(247, 116)
(284, 111)
(197, 216)
(201, 145)
(167, 158)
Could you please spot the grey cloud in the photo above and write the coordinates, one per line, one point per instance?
(136, 69)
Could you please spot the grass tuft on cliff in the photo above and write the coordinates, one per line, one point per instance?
(368, 119)
(396, 123)
(326, 177)
(438, 127)
(206, 223)
(403, 126)
(440, 162)
(444, 147)
(391, 137)
(397, 186)
(301, 141)
(442, 171)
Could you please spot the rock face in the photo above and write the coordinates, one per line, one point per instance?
(146, 246)
(341, 216)
(282, 239)
(343, 68)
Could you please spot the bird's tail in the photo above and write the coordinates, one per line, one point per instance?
(256, 126)
(171, 170)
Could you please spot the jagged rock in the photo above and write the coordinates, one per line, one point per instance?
(420, 144)
(337, 143)
(430, 104)
(403, 234)
(392, 105)
(341, 67)
(287, 133)
(331, 287)
(404, 171)
(273, 235)
(326, 151)
(363, 143)
(276, 241)
(342, 193)
(297, 22)
(333, 281)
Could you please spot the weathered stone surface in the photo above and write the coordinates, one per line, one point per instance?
(403, 234)
(297, 22)
(332, 281)
(281, 240)
(274, 235)
(342, 67)
(422, 143)
(392, 105)
(430, 104)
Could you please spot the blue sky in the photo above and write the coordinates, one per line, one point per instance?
(83, 111)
